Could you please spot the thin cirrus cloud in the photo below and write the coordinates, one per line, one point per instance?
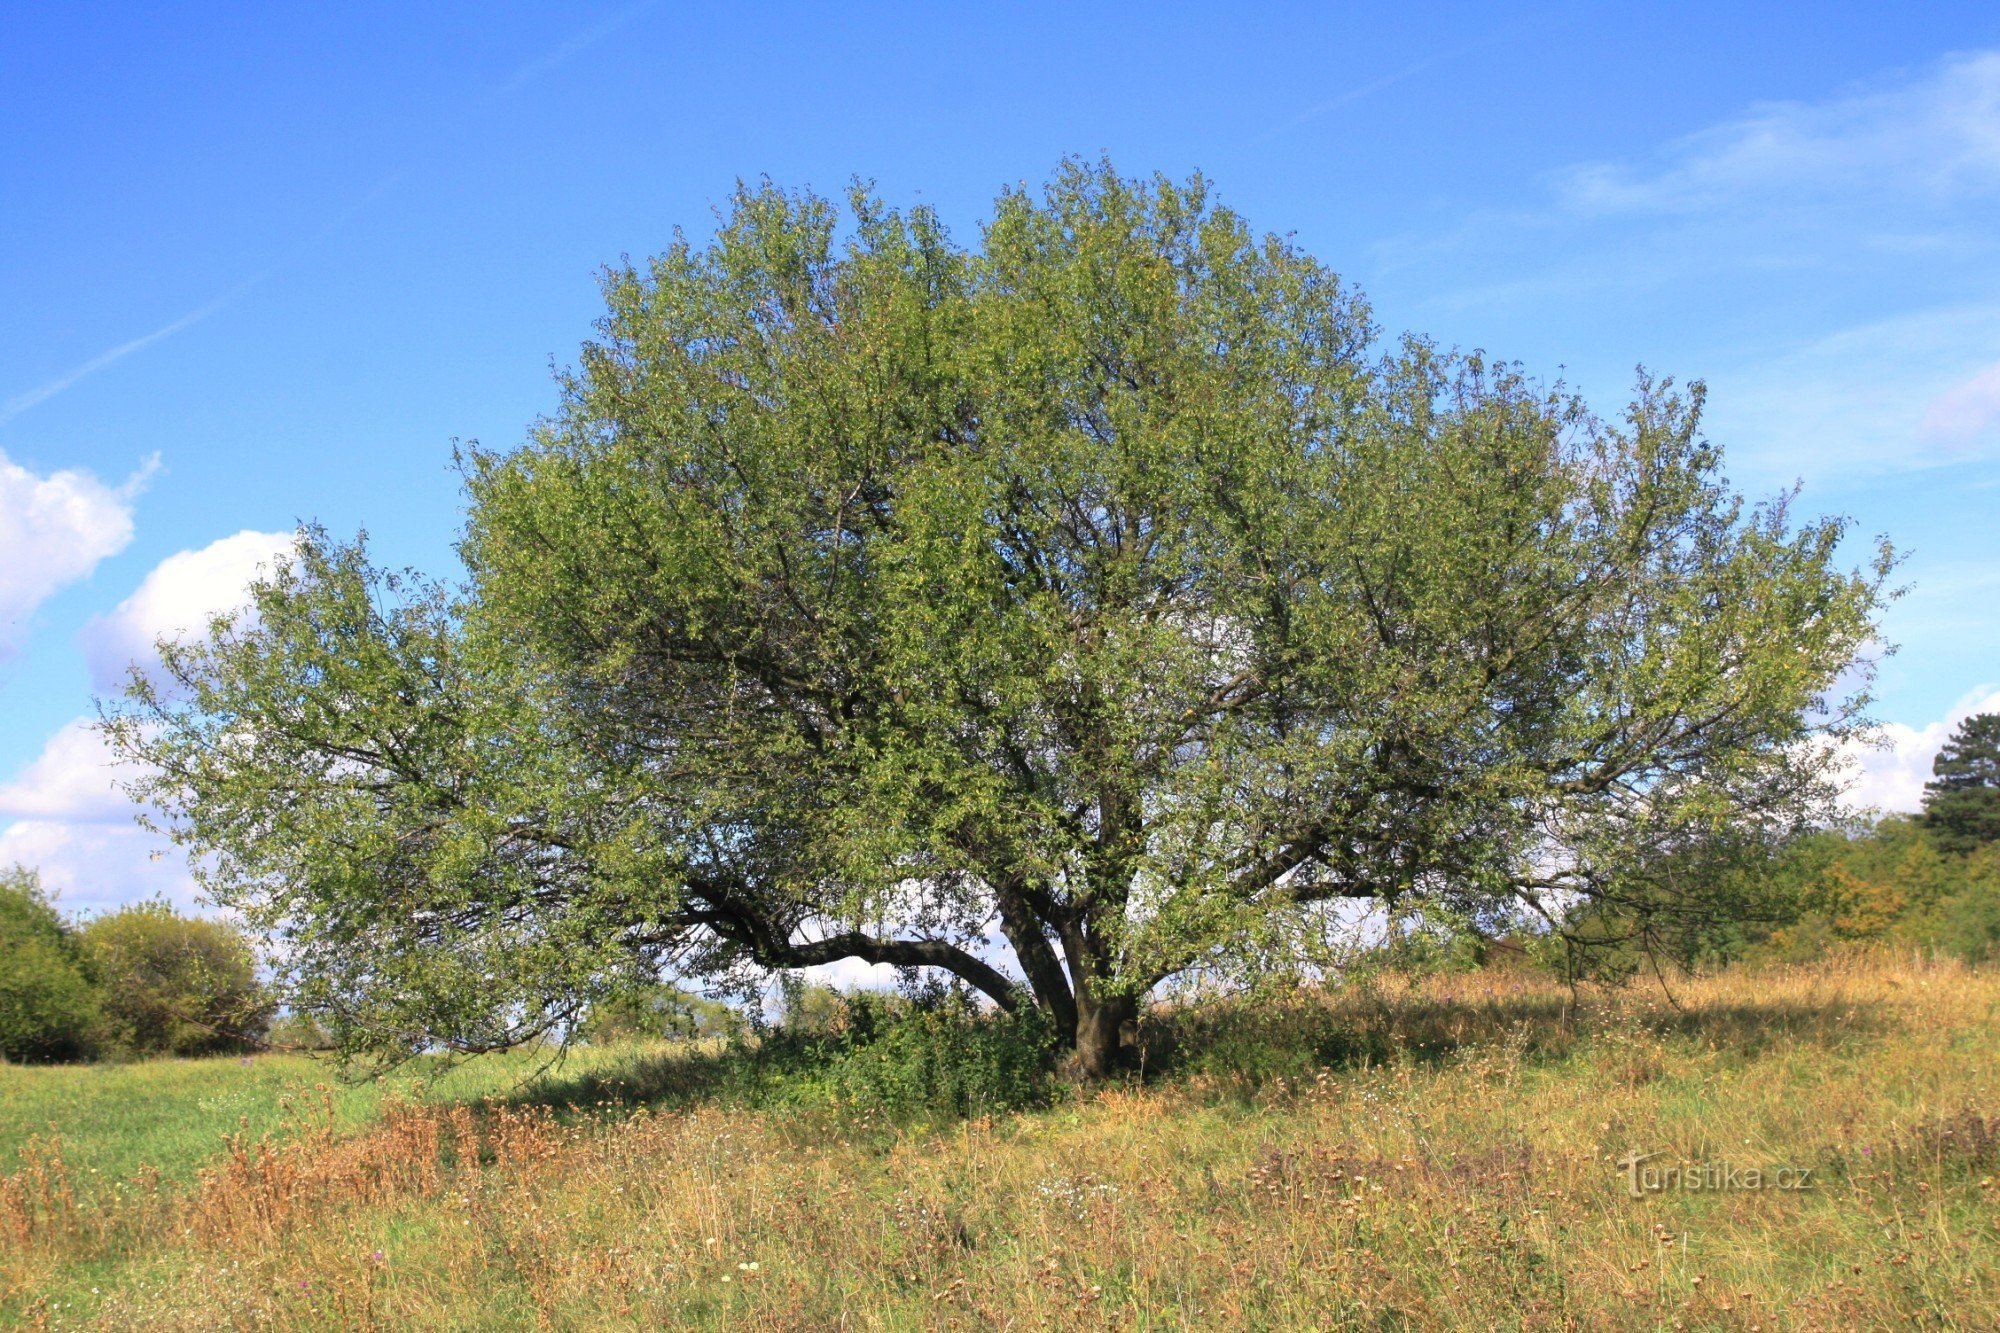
(1833, 267)
(1966, 413)
(1895, 394)
(55, 529)
(41, 393)
(1911, 145)
(526, 75)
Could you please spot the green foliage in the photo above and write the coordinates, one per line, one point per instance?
(656, 1010)
(1962, 800)
(175, 985)
(296, 1031)
(1891, 879)
(1967, 924)
(48, 1004)
(1107, 579)
(1255, 1040)
(930, 1053)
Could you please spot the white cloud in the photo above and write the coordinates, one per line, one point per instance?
(73, 779)
(179, 597)
(54, 530)
(1933, 138)
(852, 974)
(1892, 778)
(95, 868)
(65, 816)
(64, 813)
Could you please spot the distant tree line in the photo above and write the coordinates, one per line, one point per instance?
(141, 981)
(1930, 880)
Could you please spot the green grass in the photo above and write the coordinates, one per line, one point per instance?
(1440, 1154)
(175, 1115)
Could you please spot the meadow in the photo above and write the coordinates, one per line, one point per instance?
(1429, 1153)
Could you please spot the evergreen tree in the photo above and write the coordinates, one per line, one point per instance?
(1962, 800)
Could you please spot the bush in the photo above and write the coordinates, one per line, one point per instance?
(300, 1032)
(931, 1052)
(656, 1010)
(175, 985)
(1968, 922)
(48, 1006)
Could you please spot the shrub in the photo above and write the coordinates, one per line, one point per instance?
(1968, 922)
(175, 985)
(656, 1010)
(48, 1006)
(300, 1032)
(930, 1052)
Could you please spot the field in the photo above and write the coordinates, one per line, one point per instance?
(1436, 1154)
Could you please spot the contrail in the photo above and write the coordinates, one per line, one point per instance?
(527, 74)
(583, 41)
(20, 403)
(1374, 86)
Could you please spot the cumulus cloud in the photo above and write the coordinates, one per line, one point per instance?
(95, 868)
(75, 778)
(179, 597)
(1891, 779)
(64, 813)
(54, 530)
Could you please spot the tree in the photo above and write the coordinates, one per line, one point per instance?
(48, 1004)
(175, 985)
(1060, 613)
(1962, 799)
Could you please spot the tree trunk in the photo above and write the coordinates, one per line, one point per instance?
(1100, 1035)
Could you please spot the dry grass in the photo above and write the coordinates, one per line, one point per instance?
(1469, 1180)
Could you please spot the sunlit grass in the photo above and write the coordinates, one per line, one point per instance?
(172, 1114)
(1438, 1155)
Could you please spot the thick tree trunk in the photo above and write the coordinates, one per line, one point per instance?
(1100, 1035)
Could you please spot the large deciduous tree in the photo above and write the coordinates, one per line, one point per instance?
(1060, 612)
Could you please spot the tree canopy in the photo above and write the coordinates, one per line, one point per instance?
(1065, 611)
(49, 1007)
(173, 984)
(1962, 799)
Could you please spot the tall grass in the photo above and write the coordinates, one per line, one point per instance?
(1439, 1154)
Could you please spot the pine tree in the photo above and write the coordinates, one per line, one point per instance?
(1962, 802)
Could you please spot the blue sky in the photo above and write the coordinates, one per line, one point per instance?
(264, 263)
